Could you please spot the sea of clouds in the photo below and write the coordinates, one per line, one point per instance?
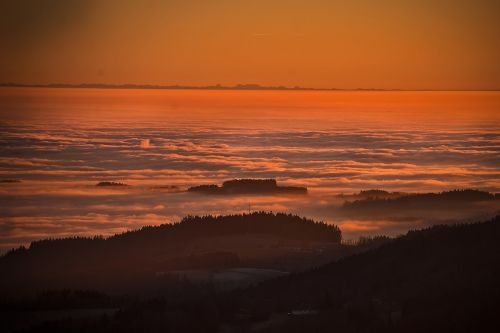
(61, 150)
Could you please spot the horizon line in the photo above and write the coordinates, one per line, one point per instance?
(246, 86)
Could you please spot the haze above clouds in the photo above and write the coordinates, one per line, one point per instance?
(317, 43)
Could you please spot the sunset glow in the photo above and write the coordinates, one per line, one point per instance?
(331, 142)
(314, 43)
(277, 166)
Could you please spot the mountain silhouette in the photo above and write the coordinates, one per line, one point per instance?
(248, 186)
(440, 279)
(377, 203)
(281, 241)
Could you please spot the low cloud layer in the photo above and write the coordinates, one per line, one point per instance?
(59, 155)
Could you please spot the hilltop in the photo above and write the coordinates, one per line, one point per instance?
(248, 186)
(467, 202)
(132, 259)
(246, 86)
(110, 184)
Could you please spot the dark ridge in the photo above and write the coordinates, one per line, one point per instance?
(207, 189)
(248, 186)
(132, 258)
(10, 181)
(379, 194)
(111, 184)
(446, 199)
(372, 194)
(191, 228)
(440, 279)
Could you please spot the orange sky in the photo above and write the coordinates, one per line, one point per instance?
(315, 43)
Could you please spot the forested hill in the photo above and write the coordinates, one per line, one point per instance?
(454, 198)
(208, 242)
(248, 186)
(441, 279)
(192, 228)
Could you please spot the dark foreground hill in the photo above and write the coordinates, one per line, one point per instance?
(133, 259)
(442, 279)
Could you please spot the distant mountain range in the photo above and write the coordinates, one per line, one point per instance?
(247, 86)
